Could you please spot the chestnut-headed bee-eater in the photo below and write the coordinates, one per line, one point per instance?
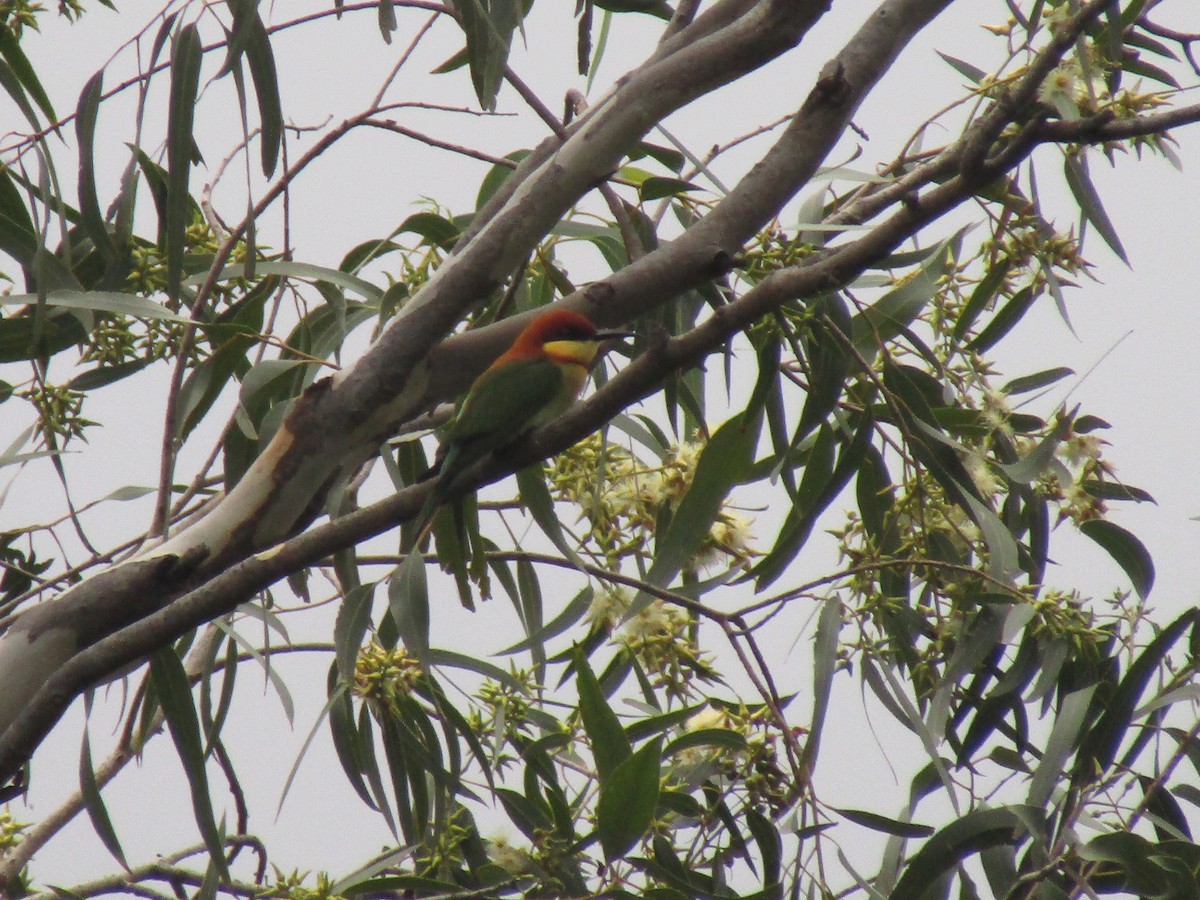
(532, 382)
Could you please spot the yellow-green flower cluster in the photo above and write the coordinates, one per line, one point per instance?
(1064, 615)
(11, 831)
(290, 886)
(622, 499)
(773, 249)
(511, 859)
(384, 676)
(1078, 461)
(753, 768)
(506, 705)
(59, 408)
(661, 636)
(17, 15)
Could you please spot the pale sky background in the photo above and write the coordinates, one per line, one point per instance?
(1136, 327)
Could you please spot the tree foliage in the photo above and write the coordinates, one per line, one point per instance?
(807, 443)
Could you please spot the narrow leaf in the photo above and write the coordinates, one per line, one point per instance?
(349, 628)
(610, 745)
(572, 613)
(85, 133)
(952, 845)
(266, 89)
(1127, 551)
(175, 696)
(1064, 738)
(1036, 381)
(876, 822)
(825, 660)
(628, 800)
(725, 460)
(1099, 748)
(101, 301)
(408, 600)
(1089, 202)
(94, 804)
(186, 56)
(25, 74)
(973, 74)
(536, 496)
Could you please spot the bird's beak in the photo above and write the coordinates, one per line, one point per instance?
(602, 336)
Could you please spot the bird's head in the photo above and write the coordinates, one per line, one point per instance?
(564, 336)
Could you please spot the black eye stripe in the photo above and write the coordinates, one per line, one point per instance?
(570, 333)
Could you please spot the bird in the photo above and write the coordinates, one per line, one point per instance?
(535, 380)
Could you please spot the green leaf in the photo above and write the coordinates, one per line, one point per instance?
(232, 334)
(339, 692)
(23, 337)
(266, 89)
(102, 375)
(350, 627)
(1108, 490)
(1099, 748)
(656, 187)
(387, 19)
(531, 481)
(186, 55)
(432, 228)
(724, 462)
(1036, 461)
(347, 742)
(89, 790)
(973, 74)
(610, 744)
(1069, 723)
(175, 697)
(1140, 864)
(823, 481)
(660, 9)
(983, 294)
(211, 720)
(894, 312)
(572, 613)
(667, 156)
(952, 845)
(876, 822)
(488, 26)
(1004, 320)
(85, 134)
(476, 665)
(237, 34)
(528, 816)
(825, 661)
(408, 600)
(306, 271)
(101, 301)
(706, 737)
(1080, 183)
(1036, 381)
(17, 235)
(1126, 550)
(627, 801)
(129, 492)
(25, 75)
(770, 848)
(496, 176)
(11, 84)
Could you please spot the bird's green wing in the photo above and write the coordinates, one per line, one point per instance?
(502, 405)
(505, 402)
